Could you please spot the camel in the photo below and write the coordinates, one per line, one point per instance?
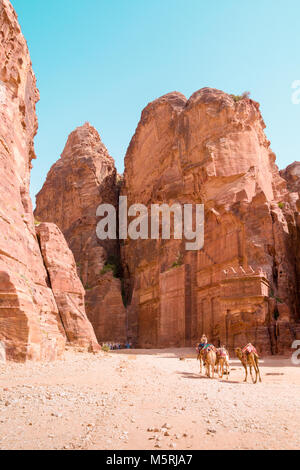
(200, 349)
(200, 358)
(249, 359)
(210, 362)
(223, 362)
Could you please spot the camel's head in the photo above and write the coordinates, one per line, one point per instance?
(204, 339)
(238, 352)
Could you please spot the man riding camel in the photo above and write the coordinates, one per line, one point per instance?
(202, 344)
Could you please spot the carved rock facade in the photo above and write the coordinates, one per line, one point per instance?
(242, 286)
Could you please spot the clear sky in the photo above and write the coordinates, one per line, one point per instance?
(102, 61)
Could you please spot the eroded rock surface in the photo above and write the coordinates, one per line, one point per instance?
(242, 286)
(29, 321)
(66, 286)
(82, 179)
(292, 176)
(38, 306)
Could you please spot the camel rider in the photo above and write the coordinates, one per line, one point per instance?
(202, 344)
(204, 339)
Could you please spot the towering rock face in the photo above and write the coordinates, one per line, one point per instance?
(242, 286)
(66, 286)
(292, 203)
(29, 320)
(82, 179)
(292, 176)
(30, 324)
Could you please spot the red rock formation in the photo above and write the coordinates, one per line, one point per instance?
(292, 176)
(29, 320)
(290, 205)
(211, 150)
(84, 177)
(66, 286)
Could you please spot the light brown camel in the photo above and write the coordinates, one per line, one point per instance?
(200, 358)
(210, 362)
(249, 360)
(201, 351)
(223, 362)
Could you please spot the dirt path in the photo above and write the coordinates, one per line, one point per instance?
(146, 400)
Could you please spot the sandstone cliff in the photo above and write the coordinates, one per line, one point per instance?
(292, 176)
(242, 286)
(30, 324)
(66, 286)
(292, 203)
(82, 179)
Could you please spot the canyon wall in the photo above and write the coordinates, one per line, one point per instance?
(82, 179)
(210, 149)
(65, 284)
(30, 323)
(292, 176)
(242, 286)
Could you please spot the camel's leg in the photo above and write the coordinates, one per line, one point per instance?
(221, 369)
(199, 359)
(257, 368)
(251, 373)
(246, 372)
(259, 373)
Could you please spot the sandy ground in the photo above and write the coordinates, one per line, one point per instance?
(146, 400)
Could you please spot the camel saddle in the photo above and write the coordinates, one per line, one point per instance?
(249, 349)
(207, 348)
(221, 352)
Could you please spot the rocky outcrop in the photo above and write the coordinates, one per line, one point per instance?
(30, 321)
(66, 286)
(82, 179)
(291, 203)
(292, 176)
(242, 286)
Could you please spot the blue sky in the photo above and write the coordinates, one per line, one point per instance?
(102, 61)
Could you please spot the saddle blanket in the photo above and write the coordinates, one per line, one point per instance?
(249, 349)
(221, 352)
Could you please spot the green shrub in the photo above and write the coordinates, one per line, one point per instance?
(105, 348)
(178, 262)
(281, 205)
(109, 267)
(112, 264)
(244, 96)
(236, 98)
(176, 265)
